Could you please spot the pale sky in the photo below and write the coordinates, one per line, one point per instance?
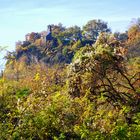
(19, 17)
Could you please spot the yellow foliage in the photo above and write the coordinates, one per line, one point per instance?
(37, 77)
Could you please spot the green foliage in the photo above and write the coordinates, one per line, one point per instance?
(94, 27)
(22, 93)
(95, 97)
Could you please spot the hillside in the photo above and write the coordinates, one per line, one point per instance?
(72, 84)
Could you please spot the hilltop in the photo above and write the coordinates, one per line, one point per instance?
(72, 83)
(58, 44)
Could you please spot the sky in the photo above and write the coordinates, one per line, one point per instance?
(19, 17)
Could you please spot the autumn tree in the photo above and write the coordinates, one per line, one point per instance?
(133, 42)
(101, 71)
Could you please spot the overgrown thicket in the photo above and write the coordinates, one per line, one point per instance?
(96, 96)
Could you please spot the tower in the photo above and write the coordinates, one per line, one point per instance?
(49, 33)
(49, 30)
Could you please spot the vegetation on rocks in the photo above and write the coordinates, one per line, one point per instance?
(81, 84)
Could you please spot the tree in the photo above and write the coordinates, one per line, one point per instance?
(57, 29)
(74, 33)
(133, 42)
(70, 34)
(101, 71)
(121, 36)
(93, 28)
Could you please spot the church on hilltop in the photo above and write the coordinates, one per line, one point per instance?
(32, 37)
